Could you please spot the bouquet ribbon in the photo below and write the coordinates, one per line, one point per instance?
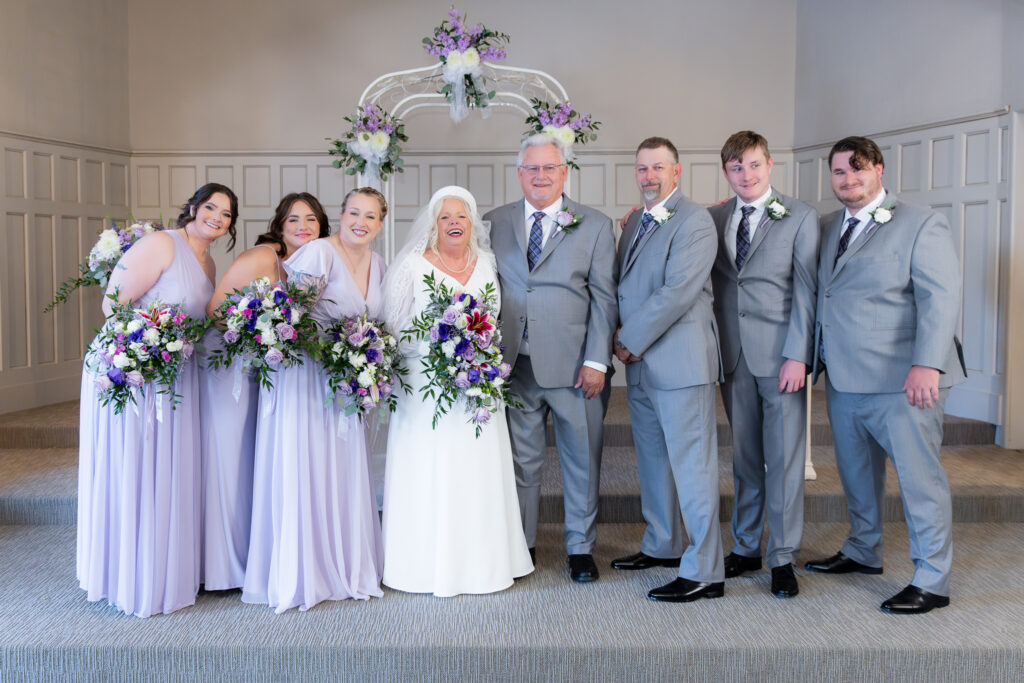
(455, 76)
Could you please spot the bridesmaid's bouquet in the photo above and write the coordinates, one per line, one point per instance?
(361, 359)
(464, 359)
(104, 255)
(140, 345)
(266, 327)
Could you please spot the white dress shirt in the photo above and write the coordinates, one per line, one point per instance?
(754, 221)
(651, 211)
(864, 216)
(547, 225)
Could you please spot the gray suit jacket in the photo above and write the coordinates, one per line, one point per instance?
(665, 298)
(767, 309)
(891, 301)
(568, 298)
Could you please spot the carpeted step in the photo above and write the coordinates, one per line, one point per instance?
(542, 628)
(56, 426)
(39, 486)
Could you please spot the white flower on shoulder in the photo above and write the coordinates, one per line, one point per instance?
(776, 209)
(882, 214)
(660, 214)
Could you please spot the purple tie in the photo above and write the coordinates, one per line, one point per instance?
(844, 240)
(645, 224)
(743, 236)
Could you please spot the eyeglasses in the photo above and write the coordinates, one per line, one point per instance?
(547, 168)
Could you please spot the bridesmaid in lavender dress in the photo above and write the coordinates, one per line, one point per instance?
(315, 531)
(228, 399)
(139, 472)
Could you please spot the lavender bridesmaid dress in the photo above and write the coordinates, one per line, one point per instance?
(315, 531)
(139, 476)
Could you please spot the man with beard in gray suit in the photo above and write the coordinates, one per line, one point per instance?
(668, 341)
(889, 288)
(765, 282)
(556, 264)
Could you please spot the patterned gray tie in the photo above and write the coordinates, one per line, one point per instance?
(743, 236)
(536, 238)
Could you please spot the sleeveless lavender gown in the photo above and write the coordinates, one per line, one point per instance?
(139, 476)
(315, 530)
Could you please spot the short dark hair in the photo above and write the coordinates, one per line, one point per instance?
(865, 152)
(201, 195)
(656, 142)
(738, 143)
(275, 232)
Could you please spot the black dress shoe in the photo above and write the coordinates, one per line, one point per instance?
(582, 568)
(784, 582)
(642, 561)
(533, 555)
(737, 564)
(684, 590)
(914, 600)
(840, 564)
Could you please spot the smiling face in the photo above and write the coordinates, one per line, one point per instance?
(212, 218)
(301, 225)
(749, 176)
(855, 188)
(360, 220)
(542, 175)
(657, 174)
(454, 227)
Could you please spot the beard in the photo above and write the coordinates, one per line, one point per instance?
(651, 192)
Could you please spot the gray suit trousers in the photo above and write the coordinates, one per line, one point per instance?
(677, 455)
(768, 431)
(866, 428)
(579, 429)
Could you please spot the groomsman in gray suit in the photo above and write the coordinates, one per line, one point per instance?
(888, 305)
(765, 281)
(668, 340)
(556, 264)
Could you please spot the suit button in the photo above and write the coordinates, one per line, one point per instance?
(522, 318)
(739, 284)
(828, 293)
(743, 315)
(621, 298)
(529, 290)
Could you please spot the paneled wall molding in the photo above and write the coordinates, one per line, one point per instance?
(63, 143)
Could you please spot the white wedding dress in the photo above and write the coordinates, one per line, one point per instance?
(451, 513)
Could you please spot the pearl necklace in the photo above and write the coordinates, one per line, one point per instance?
(469, 262)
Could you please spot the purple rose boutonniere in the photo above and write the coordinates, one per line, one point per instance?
(568, 221)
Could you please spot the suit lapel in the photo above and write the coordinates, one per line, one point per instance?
(863, 238)
(763, 226)
(628, 235)
(671, 206)
(723, 227)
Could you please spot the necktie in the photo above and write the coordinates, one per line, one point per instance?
(646, 223)
(743, 236)
(536, 238)
(844, 240)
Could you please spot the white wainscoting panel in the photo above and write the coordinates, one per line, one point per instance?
(961, 170)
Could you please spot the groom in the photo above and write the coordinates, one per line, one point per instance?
(556, 264)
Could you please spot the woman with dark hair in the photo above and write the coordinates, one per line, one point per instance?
(139, 473)
(315, 531)
(229, 399)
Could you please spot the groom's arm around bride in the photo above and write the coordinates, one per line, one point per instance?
(557, 267)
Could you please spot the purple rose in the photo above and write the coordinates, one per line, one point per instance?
(345, 389)
(385, 388)
(103, 383)
(286, 331)
(462, 380)
(474, 376)
(449, 316)
(504, 370)
(135, 379)
(367, 403)
(434, 336)
(469, 353)
(116, 375)
(564, 218)
(485, 339)
(231, 336)
(482, 416)
(355, 338)
(273, 357)
(373, 355)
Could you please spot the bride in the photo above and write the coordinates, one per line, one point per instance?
(451, 514)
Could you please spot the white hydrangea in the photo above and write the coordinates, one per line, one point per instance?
(364, 378)
(175, 345)
(151, 336)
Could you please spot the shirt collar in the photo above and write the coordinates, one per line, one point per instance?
(864, 215)
(663, 201)
(549, 210)
(758, 203)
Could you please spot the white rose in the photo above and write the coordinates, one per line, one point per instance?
(296, 316)
(133, 326)
(175, 345)
(497, 381)
(452, 370)
(882, 215)
(338, 348)
(448, 348)
(461, 322)
(243, 303)
(364, 378)
(474, 391)
(151, 336)
(357, 360)
(121, 361)
(659, 214)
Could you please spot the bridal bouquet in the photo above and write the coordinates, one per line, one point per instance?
(361, 359)
(464, 360)
(371, 147)
(103, 256)
(563, 122)
(142, 345)
(267, 328)
(462, 50)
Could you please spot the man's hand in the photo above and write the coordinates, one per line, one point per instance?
(621, 352)
(625, 218)
(792, 376)
(590, 380)
(922, 386)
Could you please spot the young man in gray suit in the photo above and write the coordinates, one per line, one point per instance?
(889, 288)
(668, 341)
(556, 264)
(765, 282)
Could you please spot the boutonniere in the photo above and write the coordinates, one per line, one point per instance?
(660, 214)
(882, 214)
(775, 209)
(568, 221)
